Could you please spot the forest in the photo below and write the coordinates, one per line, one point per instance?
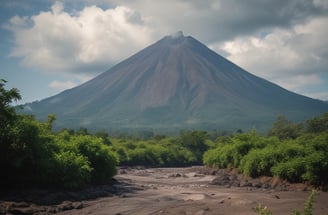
(32, 154)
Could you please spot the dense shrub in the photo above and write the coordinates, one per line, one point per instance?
(261, 161)
(298, 159)
(292, 170)
(70, 170)
(229, 154)
(315, 157)
(316, 168)
(27, 151)
(195, 142)
(257, 162)
(154, 152)
(220, 157)
(32, 155)
(101, 159)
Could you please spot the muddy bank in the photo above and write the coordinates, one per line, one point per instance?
(42, 201)
(192, 190)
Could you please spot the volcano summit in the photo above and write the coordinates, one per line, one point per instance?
(175, 83)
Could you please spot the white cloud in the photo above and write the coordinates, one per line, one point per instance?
(268, 56)
(57, 8)
(284, 41)
(299, 82)
(293, 58)
(321, 3)
(61, 85)
(89, 40)
(317, 95)
(92, 39)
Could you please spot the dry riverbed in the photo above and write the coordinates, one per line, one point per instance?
(192, 190)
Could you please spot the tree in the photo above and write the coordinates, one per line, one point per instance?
(104, 136)
(7, 120)
(284, 129)
(195, 142)
(50, 120)
(7, 113)
(82, 131)
(317, 124)
(32, 155)
(26, 145)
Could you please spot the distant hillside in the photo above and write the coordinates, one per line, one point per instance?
(176, 83)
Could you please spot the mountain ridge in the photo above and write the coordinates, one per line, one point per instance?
(176, 83)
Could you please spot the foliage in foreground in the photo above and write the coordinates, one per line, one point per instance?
(32, 155)
(263, 210)
(300, 158)
(307, 210)
(308, 206)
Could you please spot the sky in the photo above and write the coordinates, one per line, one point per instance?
(48, 46)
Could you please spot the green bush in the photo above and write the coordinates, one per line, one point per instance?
(315, 157)
(27, 151)
(195, 142)
(316, 166)
(292, 170)
(259, 162)
(122, 155)
(221, 157)
(143, 156)
(32, 155)
(153, 152)
(70, 170)
(31, 150)
(102, 159)
(302, 159)
(156, 152)
(275, 159)
(230, 154)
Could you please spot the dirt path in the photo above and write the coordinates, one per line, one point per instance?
(189, 191)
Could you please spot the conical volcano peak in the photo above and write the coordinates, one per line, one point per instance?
(176, 83)
(175, 38)
(177, 35)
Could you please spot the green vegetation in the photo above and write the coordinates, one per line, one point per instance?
(295, 152)
(263, 210)
(308, 206)
(31, 154)
(185, 149)
(100, 163)
(307, 210)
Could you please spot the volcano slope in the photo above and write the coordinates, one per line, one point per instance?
(175, 83)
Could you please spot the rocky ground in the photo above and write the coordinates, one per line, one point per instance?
(192, 190)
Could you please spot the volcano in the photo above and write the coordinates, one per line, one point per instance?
(175, 83)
